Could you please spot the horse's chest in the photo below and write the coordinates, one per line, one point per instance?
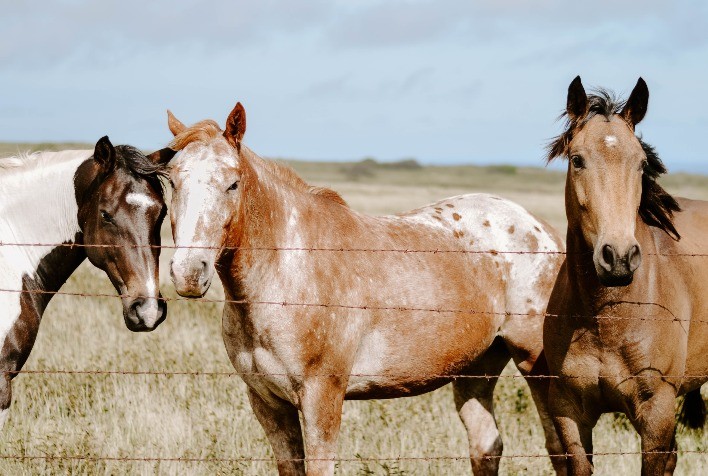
(582, 362)
(265, 362)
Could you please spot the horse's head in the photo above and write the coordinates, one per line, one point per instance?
(121, 208)
(611, 179)
(205, 180)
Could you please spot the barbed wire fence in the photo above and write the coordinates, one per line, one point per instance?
(361, 307)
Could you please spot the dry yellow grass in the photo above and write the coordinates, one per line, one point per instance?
(209, 417)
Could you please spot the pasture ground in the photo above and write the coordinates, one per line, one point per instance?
(136, 416)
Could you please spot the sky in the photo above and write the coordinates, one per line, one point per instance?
(441, 81)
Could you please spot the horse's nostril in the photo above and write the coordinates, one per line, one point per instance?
(204, 266)
(634, 258)
(608, 255)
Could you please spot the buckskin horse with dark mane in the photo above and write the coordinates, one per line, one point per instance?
(626, 329)
(58, 208)
(325, 303)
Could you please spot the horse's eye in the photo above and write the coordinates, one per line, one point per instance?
(172, 184)
(644, 165)
(233, 186)
(106, 216)
(577, 162)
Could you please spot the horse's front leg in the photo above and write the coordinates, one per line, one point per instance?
(655, 421)
(5, 397)
(281, 424)
(673, 458)
(574, 428)
(321, 402)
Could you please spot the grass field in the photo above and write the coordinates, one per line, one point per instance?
(138, 416)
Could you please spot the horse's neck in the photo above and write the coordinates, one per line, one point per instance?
(52, 272)
(273, 215)
(39, 208)
(273, 210)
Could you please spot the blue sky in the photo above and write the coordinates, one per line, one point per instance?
(443, 81)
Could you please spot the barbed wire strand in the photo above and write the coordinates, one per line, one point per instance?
(338, 250)
(242, 459)
(199, 373)
(326, 305)
(361, 307)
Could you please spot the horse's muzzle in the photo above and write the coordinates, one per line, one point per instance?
(144, 314)
(615, 269)
(191, 279)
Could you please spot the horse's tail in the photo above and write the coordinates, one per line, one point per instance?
(693, 410)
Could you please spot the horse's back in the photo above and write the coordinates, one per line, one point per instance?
(692, 224)
(527, 249)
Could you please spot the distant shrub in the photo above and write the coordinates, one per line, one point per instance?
(403, 164)
(368, 167)
(360, 170)
(502, 169)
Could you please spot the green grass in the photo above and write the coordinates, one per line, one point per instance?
(209, 416)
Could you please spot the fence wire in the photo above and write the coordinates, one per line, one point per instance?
(249, 459)
(315, 249)
(252, 459)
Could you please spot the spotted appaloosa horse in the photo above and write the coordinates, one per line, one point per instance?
(384, 323)
(631, 303)
(112, 198)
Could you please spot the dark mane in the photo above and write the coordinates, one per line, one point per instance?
(135, 162)
(657, 206)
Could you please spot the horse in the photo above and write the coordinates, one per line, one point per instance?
(58, 208)
(625, 330)
(323, 305)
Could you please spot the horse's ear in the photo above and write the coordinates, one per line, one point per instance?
(636, 107)
(577, 105)
(236, 125)
(105, 154)
(174, 124)
(162, 156)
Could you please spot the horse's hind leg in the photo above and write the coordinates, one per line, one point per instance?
(474, 402)
(539, 392)
(281, 423)
(525, 343)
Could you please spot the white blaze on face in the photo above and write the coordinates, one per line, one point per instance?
(151, 288)
(201, 205)
(610, 141)
(140, 200)
(197, 202)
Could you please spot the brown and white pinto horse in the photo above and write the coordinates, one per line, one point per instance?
(380, 324)
(111, 198)
(631, 303)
